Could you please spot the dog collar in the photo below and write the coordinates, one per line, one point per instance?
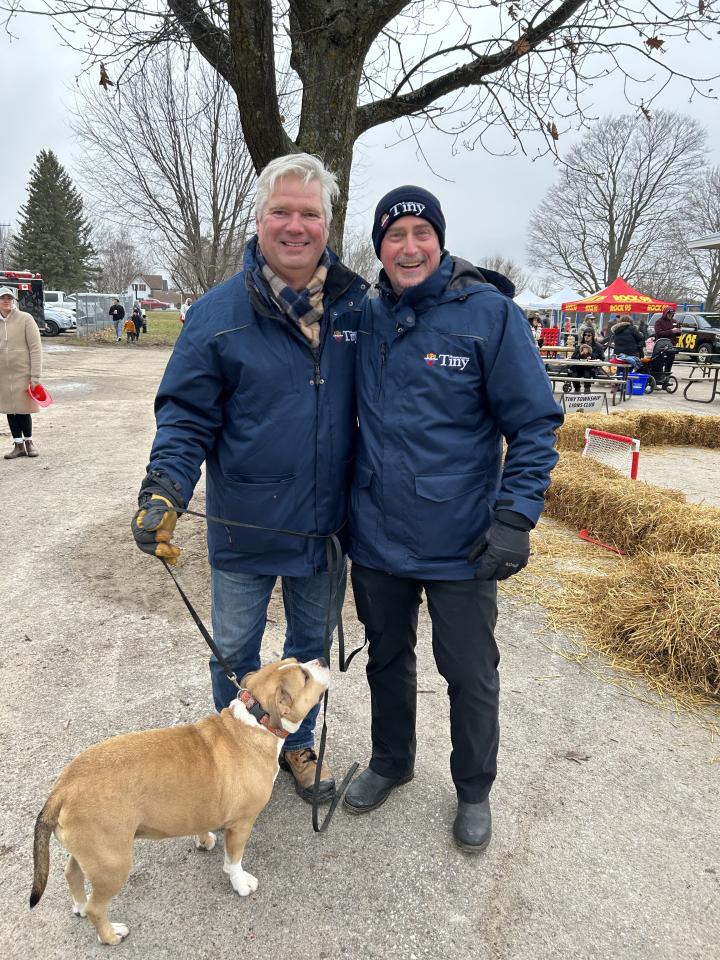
(260, 714)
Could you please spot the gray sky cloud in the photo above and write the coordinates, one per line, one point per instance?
(486, 199)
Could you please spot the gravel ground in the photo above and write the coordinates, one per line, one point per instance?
(613, 856)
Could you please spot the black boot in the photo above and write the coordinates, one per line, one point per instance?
(368, 791)
(473, 826)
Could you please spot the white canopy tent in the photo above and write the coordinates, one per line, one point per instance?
(556, 300)
(527, 299)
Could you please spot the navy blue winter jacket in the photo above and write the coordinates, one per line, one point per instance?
(274, 421)
(444, 373)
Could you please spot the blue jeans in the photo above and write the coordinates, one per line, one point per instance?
(239, 612)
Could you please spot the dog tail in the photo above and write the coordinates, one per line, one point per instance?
(44, 826)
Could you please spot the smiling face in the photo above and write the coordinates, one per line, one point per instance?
(292, 230)
(410, 252)
(7, 302)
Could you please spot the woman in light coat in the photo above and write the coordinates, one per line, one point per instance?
(20, 366)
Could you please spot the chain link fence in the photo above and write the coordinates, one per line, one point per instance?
(92, 311)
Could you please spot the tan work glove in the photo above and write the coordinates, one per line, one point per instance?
(153, 527)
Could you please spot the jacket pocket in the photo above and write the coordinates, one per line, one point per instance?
(450, 511)
(262, 502)
(363, 512)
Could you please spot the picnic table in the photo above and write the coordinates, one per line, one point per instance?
(699, 372)
(618, 384)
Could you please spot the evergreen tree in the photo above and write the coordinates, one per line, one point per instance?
(53, 235)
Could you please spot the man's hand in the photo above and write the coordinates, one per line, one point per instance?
(504, 549)
(153, 525)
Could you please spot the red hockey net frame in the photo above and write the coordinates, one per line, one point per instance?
(614, 450)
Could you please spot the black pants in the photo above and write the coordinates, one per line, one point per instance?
(20, 425)
(463, 614)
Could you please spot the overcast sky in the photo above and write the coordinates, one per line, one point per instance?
(486, 200)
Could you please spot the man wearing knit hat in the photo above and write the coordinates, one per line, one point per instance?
(447, 369)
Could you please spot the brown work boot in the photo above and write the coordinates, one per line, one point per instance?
(30, 449)
(18, 450)
(302, 764)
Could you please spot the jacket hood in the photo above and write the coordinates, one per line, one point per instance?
(620, 324)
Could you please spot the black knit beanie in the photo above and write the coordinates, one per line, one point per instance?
(407, 201)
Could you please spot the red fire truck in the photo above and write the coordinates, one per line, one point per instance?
(29, 292)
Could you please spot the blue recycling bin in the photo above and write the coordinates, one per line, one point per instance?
(638, 382)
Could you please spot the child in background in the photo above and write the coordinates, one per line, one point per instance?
(129, 328)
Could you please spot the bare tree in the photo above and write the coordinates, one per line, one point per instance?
(359, 254)
(505, 265)
(167, 161)
(120, 258)
(702, 217)
(614, 208)
(6, 241)
(464, 68)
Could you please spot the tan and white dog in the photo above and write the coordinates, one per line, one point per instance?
(174, 782)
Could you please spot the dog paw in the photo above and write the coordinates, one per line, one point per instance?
(242, 882)
(206, 841)
(120, 931)
(79, 909)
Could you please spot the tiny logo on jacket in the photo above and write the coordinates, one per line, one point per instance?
(446, 360)
(345, 336)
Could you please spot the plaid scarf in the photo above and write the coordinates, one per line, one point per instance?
(304, 307)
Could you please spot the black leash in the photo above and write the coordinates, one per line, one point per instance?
(334, 555)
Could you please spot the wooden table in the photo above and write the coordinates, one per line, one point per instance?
(556, 351)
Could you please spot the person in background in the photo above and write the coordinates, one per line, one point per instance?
(260, 388)
(20, 366)
(184, 309)
(666, 326)
(137, 320)
(117, 312)
(129, 328)
(627, 342)
(536, 329)
(587, 349)
(447, 368)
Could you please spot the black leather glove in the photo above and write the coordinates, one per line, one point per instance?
(153, 525)
(504, 549)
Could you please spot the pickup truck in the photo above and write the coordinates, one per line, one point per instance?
(58, 298)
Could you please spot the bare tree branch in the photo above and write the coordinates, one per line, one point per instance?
(615, 209)
(167, 161)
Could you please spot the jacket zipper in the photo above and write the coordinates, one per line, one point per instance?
(381, 372)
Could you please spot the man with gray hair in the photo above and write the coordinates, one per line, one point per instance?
(260, 387)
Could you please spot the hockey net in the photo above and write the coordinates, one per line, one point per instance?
(621, 453)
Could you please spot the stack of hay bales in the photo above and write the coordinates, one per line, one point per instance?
(651, 427)
(657, 613)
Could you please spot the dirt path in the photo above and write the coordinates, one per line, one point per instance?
(612, 858)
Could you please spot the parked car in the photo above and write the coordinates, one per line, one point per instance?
(699, 333)
(152, 304)
(58, 321)
(58, 298)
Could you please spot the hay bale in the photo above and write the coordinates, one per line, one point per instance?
(632, 516)
(658, 616)
(651, 427)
